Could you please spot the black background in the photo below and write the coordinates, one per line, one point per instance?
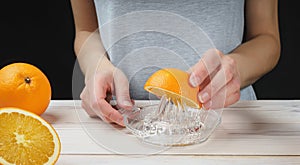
(42, 33)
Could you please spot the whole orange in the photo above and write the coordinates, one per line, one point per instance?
(24, 86)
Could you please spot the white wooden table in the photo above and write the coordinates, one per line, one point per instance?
(251, 132)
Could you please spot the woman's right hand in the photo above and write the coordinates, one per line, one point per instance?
(98, 91)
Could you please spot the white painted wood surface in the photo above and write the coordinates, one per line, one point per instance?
(251, 132)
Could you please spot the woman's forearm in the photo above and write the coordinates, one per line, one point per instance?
(90, 52)
(256, 57)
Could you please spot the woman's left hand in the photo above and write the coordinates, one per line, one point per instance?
(219, 80)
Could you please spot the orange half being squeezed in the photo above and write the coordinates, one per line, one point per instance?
(173, 83)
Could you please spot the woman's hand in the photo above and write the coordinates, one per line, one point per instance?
(219, 80)
(98, 91)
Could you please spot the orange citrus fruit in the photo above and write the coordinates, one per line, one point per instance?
(173, 83)
(25, 138)
(24, 86)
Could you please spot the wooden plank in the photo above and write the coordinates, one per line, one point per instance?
(176, 160)
(242, 112)
(76, 141)
(248, 128)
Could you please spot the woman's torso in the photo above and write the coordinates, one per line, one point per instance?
(142, 36)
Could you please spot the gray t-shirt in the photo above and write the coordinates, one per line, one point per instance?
(142, 36)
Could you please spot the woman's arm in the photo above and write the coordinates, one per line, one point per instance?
(88, 45)
(102, 79)
(227, 74)
(261, 51)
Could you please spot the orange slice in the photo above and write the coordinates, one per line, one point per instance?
(173, 83)
(25, 138)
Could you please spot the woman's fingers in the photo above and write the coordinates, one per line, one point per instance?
(105, 109)
(99, 104)
(233, 98)
(84, 96)
(91, 113)
(88, 109)
(98, 92)
(122, 90)
(225, 74)
(218, 79)
(94, 100)
(205, 67)
(226, 96)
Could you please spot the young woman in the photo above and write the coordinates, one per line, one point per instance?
(115, 53)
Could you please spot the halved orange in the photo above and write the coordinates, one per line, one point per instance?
(25, 138)
(173, 83)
